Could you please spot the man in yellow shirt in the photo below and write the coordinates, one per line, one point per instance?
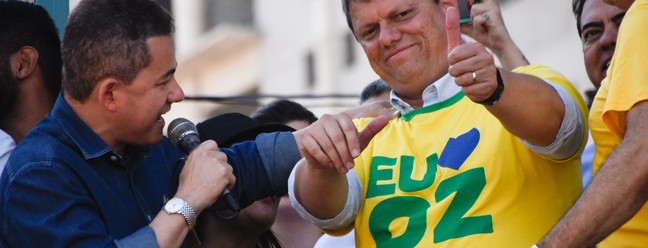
(478, 154)
(612, 209)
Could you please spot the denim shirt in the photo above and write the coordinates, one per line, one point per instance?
(64, 186)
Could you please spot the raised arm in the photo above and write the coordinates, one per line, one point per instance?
(488, 28)
(528, 107)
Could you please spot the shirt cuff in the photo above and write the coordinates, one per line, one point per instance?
(570, 135)
(342, 219)
(144, 237)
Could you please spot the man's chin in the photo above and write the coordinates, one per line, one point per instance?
(149, 141)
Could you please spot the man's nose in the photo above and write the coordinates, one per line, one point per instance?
(389, 35)
(176, 94)
(609, 36)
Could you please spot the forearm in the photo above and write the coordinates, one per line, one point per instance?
(529, 108)
(510, 55)
(262, 166)
(170, 229)
(616, 193)
(322, 192)
(488, 28)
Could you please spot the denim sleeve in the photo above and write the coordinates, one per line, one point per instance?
(261, 167)
(144, 237)
(280, 154)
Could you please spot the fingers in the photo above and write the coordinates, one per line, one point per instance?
(453, 30)
(468, 59)
(481, 20)
(474, 70)
(479, 91)
(371, 130)
(208, 145)
(331, 142)
(205, 176)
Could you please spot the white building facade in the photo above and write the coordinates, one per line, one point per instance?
(294, 48)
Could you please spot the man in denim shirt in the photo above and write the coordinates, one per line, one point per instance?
(96, 172)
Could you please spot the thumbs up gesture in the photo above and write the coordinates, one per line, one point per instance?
(470, 64)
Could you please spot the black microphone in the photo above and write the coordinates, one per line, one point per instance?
(183, 134)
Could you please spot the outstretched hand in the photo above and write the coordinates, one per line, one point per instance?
(470, 64)
(333, 142)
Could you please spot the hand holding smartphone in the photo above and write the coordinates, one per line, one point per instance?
(464, 10)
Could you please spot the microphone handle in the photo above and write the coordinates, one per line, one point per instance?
(231, 203)
(227, 196)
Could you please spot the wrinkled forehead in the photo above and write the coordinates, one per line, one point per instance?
(624, 4)
(596, 11)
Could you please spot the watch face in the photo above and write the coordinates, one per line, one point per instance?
(173, 206)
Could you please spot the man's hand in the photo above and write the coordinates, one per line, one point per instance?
(329, 147)
(470, 64)
(205, 176)
(333, 141)
(488, 28)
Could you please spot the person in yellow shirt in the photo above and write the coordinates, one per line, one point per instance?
(612, 209)
(478, 154)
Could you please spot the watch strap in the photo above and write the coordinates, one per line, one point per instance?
(186, 211)
(495, 97)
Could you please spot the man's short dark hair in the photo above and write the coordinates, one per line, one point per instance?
(347, 14)
(373, 89)
(107, 38)
(27, 24)
(281, 112)
(577, 8)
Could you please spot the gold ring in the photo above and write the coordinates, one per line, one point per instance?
(474, 76)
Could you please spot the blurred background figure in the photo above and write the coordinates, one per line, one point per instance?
(251, 228)
(285, 112)
(30, 70)
(290, 228)
(598, 25)
(376, 91)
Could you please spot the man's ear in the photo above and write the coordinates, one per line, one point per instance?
(106, 91)
(27, 62)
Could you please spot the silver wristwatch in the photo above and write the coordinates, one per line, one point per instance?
(179, 206)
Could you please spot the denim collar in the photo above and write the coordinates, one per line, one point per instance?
(86, 140)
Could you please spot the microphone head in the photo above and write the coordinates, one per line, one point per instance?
(183, 134)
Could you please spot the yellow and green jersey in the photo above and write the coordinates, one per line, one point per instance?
(450, 175)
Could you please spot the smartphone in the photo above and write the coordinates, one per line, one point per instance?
(464, 10)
